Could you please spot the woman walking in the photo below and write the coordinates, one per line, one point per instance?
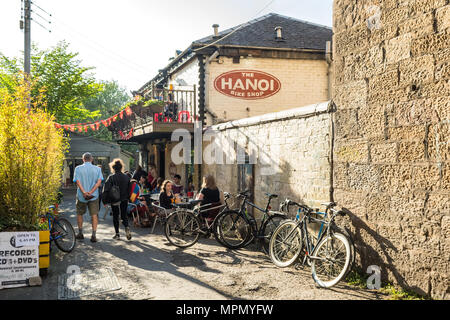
(119, 209)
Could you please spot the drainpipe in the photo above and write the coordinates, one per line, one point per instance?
(201, 106)
(329, 59)
(331, 110)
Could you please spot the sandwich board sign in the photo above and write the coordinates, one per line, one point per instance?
(19, 258)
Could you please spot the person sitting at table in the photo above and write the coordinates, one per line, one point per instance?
(166, 196)
(209, 194)
(137, 200)
(159, 183)
(177, 188)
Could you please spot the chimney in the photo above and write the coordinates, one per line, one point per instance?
(216, 30)
(279, 35)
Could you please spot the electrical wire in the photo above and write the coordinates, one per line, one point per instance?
(238, 28)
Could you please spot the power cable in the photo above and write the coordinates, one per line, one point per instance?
(238, 28)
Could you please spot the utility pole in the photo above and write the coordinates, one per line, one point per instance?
(27, 27)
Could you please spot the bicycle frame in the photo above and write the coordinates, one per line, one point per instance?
(303, 225)
(250, 219)
(51, 221)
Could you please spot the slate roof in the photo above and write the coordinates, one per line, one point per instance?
(260, 32)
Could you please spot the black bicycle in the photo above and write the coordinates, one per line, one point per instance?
(238, 228)
(188, 222)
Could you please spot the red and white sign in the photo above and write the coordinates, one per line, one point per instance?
(247, 84)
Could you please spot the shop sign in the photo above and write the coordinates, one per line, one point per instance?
(19, 258)
(247, 84)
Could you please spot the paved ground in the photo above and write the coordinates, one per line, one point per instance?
(148, 267)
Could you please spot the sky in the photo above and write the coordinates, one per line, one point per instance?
(129, 41)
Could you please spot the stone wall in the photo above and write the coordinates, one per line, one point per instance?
(392, 148)
(294, 143)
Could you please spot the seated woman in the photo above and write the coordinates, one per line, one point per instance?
(209, 194)
(157, 189)
(166, 196)
(138, 202)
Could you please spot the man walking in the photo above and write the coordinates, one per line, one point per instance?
(88, 179)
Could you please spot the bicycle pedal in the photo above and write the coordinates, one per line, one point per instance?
(298, 266)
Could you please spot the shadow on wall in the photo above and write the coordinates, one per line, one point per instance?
(368, 254)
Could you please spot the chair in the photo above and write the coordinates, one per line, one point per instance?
(161, 214)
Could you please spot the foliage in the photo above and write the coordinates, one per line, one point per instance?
(58, 74)
(358, 278)
(400, 294)
(31, 158)
(107, 102)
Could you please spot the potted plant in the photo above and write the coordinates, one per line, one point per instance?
(31, 162)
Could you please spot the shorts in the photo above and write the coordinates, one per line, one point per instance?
(93, 207)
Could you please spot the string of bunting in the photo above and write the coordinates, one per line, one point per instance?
(95, 126)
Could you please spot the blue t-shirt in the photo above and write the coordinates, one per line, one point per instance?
(88, 174)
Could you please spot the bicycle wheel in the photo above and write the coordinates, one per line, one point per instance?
(349, 237)
(233, 229)
(181, 228)
(285, 244)
(332, 260)
(63, 234)
(268, 228)
(215, 229)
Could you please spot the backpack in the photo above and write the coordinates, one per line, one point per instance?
(114, 193)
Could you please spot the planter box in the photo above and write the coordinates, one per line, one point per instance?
(44, 252)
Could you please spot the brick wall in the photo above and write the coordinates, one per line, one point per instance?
(392, 146)
(303, 82)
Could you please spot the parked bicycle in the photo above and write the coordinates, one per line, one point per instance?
(187, 223)
(238, 228)
(61, 230)
(329, 255)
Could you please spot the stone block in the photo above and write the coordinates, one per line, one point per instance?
(442, 71)
(399, 48)
(346, 124)
(407, 133)
(352, 152)
(426, 177)
(395, 178)
(430, 43)
(387, 31)
(411, 151)
(418, 7)
(387, 80)
(362, 177)
(418, 26)
(383, 153)
(443, 18)
(351, 95)
(416, 71)
(439, 142)
(414, 112)
(372, 121)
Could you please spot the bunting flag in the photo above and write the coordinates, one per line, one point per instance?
(95, 126)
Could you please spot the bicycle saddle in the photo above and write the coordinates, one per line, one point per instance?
(271, 195)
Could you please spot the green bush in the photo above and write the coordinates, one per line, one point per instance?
(31, 159)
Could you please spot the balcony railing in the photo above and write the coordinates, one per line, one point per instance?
(177, 107)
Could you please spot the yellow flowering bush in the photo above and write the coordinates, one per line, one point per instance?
(31, 159)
